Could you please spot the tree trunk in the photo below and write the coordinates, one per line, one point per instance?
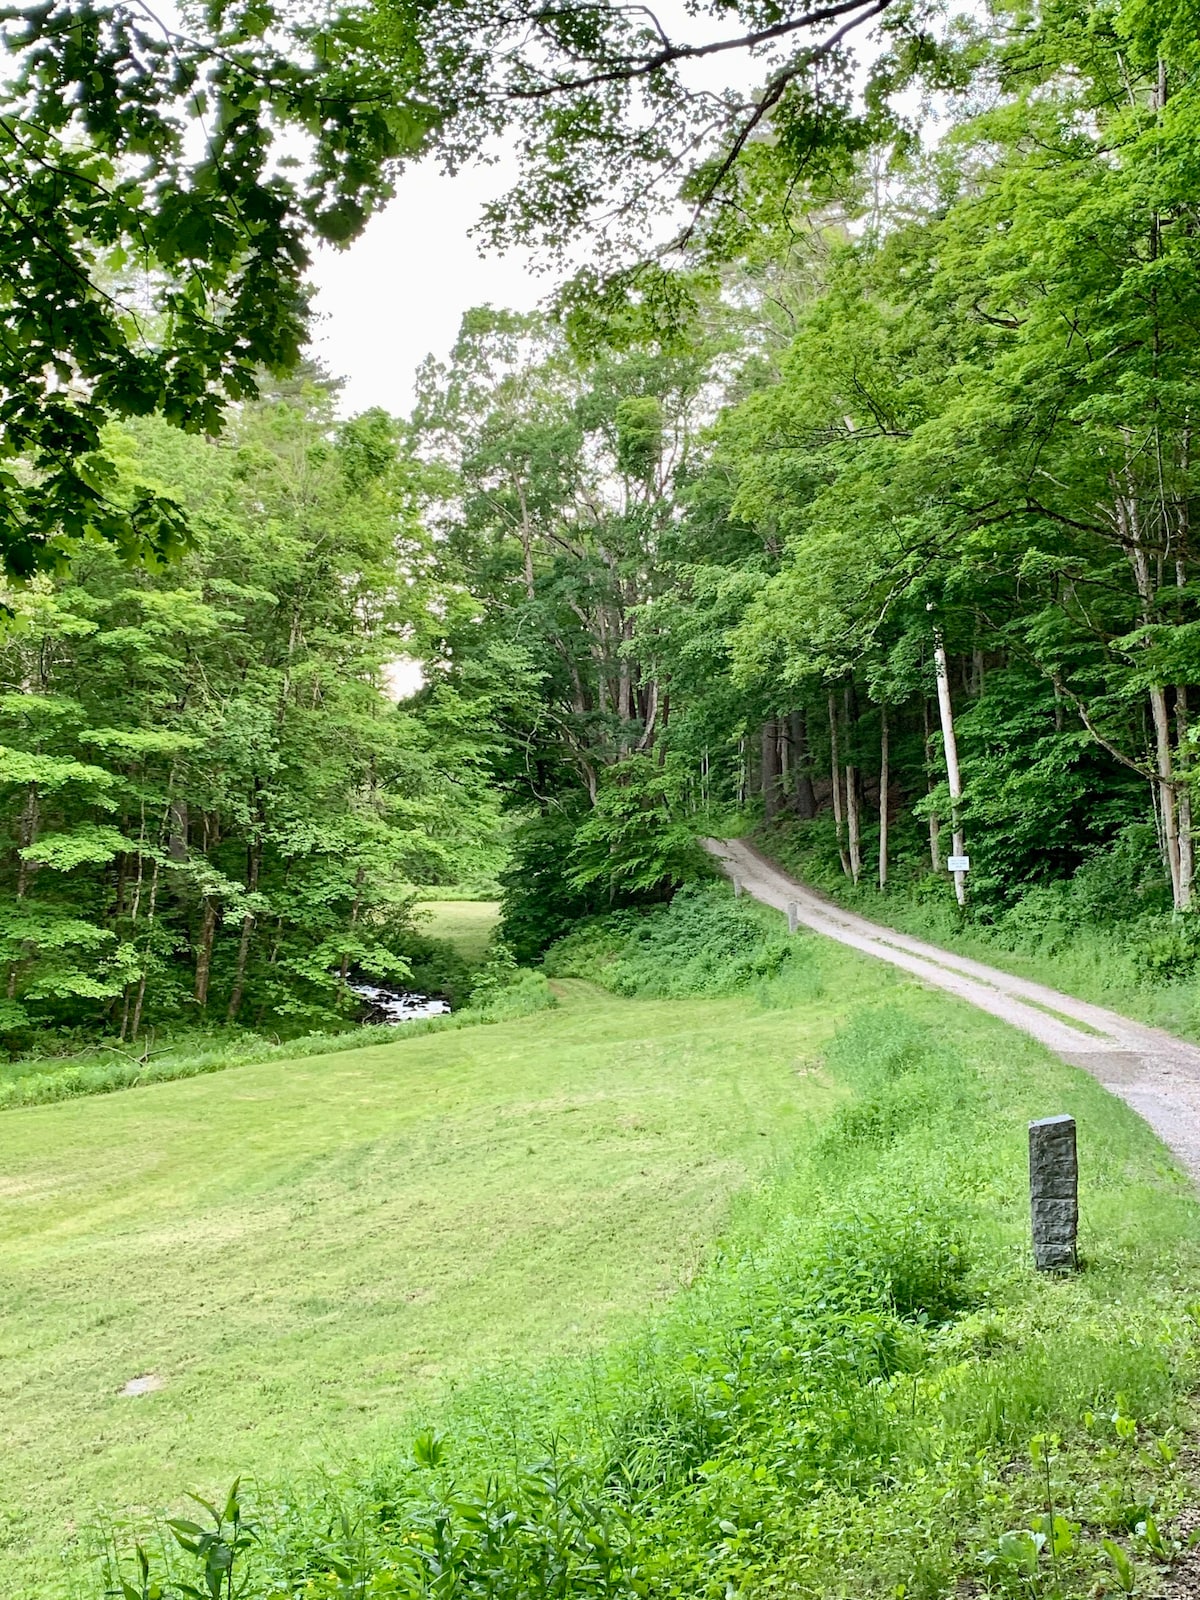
(526, 539)
(835, 768)
(804, 799)
(854, 838)
(1166, 793)
(1129, 526)
(770, 769)
(344, 969)
(177, 839)
(935, 828)
(883, 797)
(951, 748)
(1187, 854)
(26, 835)
(239, 974)
(141, 988)
(853, 825)
(208, 930)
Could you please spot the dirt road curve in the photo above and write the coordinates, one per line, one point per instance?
(1157, 1074)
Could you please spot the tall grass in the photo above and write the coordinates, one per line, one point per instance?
(868, 1390)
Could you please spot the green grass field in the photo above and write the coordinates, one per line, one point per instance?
(466, 924)
(308, 1260)
(303, 1252)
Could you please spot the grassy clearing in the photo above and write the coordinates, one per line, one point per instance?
(867, 1391)
(468, 925)
(303, 1250)
(439, 1259)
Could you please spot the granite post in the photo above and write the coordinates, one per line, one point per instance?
(737, 886)
(793, 916)
(1053, 1192)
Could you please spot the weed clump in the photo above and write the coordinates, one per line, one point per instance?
(704, 942)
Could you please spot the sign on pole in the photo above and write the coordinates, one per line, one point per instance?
(958, 863)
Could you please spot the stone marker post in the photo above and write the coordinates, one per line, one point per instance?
(1053, 1192)
(793, 916)
(737, 887)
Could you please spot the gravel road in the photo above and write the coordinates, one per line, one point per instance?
(1157, 1074)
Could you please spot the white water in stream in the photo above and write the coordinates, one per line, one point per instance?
(397, 1005)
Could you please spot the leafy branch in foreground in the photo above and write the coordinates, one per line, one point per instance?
(162, 187)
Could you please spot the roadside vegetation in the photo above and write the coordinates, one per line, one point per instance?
(1106, 934)
(866, 1388)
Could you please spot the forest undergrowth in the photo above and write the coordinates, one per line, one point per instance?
(42, 1080)
(867, 1390)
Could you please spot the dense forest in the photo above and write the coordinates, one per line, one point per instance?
(882, 526)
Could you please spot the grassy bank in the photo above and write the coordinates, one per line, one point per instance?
(468, 925)
(304, 1250)
(1077, 935)
(465, 927)
(865, 1390)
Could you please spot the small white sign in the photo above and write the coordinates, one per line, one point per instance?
(958, 863)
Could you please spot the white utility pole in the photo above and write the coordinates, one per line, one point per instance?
(952, 773)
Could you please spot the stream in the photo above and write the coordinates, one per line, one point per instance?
(381, 1004)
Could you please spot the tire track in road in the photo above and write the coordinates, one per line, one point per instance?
(1152, 1071)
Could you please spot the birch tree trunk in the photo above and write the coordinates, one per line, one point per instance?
(853, 831)
(1129, 527)
(836, 773)
(950, 743)
(1187, 854)
(1166, 793)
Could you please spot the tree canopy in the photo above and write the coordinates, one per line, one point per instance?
(165, 182)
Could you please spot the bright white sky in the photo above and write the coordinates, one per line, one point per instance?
(399, 292)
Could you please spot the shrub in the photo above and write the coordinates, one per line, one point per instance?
(703, 942)
(540, 904)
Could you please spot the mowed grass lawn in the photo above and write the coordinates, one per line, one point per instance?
(466, 924)
(302, 1253)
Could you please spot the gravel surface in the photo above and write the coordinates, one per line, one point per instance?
(1155, 1073)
